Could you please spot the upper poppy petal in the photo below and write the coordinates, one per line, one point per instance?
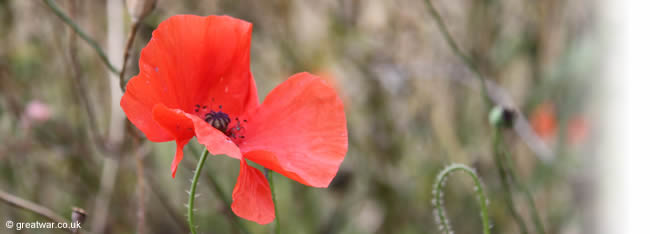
(299, 131)
(252, 198)
(192, 60)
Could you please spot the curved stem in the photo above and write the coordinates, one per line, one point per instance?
(195, 180)
(437, 194)
(82, 34)
(269, 176)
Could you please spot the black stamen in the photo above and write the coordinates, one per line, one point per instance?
(218, 120)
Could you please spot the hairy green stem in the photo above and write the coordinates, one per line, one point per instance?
(66, 19)
(505, 182)
(195, 180)
(221, 194)
(269, 175)
(437, 194)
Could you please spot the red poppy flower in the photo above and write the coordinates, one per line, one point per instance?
(543, 120)
(195, 81)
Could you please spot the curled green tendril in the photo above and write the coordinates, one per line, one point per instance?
(437, 195)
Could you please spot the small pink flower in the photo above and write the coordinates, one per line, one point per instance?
(36, 112)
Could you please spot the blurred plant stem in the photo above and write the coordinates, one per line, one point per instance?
(33, 207)
(454, 46)
(139, 155)
(52, 5)
(161, 195)
(269, 176)
(195, 181)
(498, 146)
(491, 92)
(81, 87)
(127, 49)
(509, 167)
(111, 162)
(437, 193)
(115, 132)
(498, 149)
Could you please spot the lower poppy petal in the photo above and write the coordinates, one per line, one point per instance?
(213, 139)
(180, 144)
(177, 125)
(252, 198)
(299, 131)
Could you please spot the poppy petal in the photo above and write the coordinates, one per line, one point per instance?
(137, 104)
(299, 131)
(180, 144)
(213, 139)
(201, 60)
(177, 125)
(252, 198)
(192, 60)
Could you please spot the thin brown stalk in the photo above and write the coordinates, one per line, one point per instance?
(81, 86)
(161, 196)
(115, 135)
(127, 52)
(32, 207)
(70, 22)
(142, 151)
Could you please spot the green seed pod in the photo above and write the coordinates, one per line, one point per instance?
(502, 117)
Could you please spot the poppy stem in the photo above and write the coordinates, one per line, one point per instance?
(221, 194)
(195, 180)
(269, 176)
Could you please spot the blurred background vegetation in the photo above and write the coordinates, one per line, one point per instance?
(412, 107)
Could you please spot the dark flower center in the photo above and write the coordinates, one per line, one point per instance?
(218, 120)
